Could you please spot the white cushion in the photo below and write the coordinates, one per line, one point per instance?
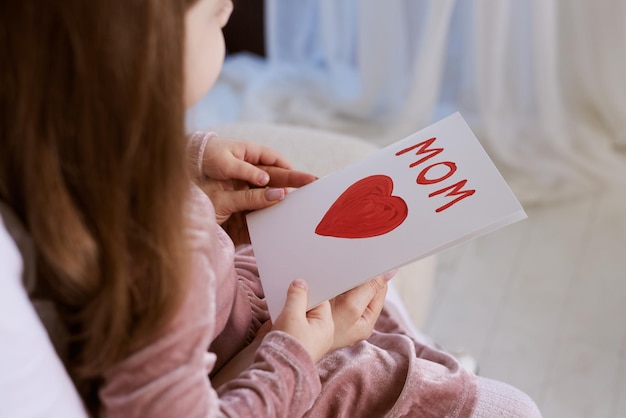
(33, 381)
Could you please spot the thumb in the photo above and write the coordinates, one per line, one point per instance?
(252, 199)
(297, 298)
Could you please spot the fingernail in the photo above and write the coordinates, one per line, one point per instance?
(299, 283)
(264, 178)
(389, 275)
(275, 194)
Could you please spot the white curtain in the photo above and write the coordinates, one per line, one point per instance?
(548, 95)
(541, 82)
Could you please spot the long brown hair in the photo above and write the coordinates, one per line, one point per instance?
(92, 160)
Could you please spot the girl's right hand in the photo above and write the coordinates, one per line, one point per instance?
(314, 329)
(356, 311)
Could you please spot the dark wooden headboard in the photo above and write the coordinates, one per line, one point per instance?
(245, 29)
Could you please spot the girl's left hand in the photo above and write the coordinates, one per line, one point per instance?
(241, 176)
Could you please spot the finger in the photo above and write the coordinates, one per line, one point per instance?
(255, 153)
(321, 311)
(390, 274)
(297, 298)
(280, 177)
(248, 199)
(258, 154)
(375, 307)
(226, 158)
(265, 328)
(361, 296)
(245, 171)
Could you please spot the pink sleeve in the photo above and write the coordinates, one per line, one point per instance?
(197, 143)
(169, 378)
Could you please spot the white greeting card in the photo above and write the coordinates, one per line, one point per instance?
(416, 197)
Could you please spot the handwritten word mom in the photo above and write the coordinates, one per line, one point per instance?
(437, 172)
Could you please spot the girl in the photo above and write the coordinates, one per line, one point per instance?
(138, 286)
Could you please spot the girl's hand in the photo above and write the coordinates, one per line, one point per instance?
(356, 311)
(243, 176)
(313, 329)
(230, 159)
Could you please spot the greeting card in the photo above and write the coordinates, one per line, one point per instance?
(416, 197)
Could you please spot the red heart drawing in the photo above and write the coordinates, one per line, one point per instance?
(366, 209)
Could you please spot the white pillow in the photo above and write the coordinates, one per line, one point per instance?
(33, 381)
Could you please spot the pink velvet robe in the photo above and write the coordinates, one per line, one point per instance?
(387, 375)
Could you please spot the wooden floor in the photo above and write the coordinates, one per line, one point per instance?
(542, 305)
